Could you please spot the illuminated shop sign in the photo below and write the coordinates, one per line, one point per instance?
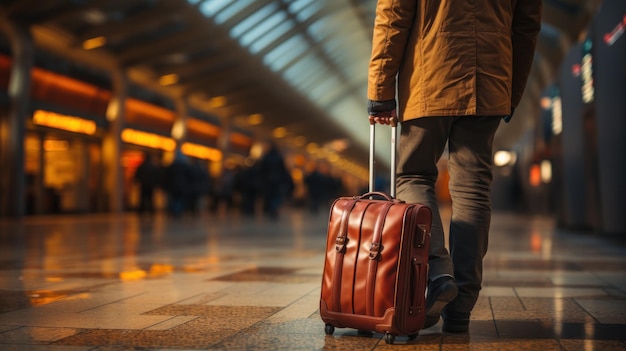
(59, 121)
(154, 141)
(201, 151)
(586, 73)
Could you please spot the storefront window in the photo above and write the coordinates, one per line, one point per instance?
(62, 174)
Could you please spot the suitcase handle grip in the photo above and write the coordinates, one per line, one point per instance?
(377, 193)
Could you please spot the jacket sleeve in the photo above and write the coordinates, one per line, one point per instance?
(526, 26)
(392, 27)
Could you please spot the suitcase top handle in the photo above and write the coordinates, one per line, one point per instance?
(373, 194)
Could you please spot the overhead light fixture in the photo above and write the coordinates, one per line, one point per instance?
(334, 158)
(312, 148)
(218, 101)
(279, 132)
(339, 145)
(94, 43)
(95, 16)
(503, 158)
(168, 79)
(255, 119)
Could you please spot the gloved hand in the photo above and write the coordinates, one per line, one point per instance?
(508, 118)
(382, 112)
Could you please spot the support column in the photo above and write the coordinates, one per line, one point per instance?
(179, 129)
(112, 144)
(223, 141)
(12, 123)
(40, 187)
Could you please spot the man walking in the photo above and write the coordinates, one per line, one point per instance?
(459, 67)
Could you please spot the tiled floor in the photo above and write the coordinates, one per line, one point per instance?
(105, 282)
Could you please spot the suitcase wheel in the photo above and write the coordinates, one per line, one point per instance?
(329, 329)
(389, 339)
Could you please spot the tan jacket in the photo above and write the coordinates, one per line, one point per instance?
(453, 57)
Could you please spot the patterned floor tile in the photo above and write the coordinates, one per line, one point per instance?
(224, 283)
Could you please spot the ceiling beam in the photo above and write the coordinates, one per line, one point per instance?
(164, 46)
(69, 10)
(228, 75)
(213, 61)
(158, 15)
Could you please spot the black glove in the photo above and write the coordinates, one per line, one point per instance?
(508, 118)
(375, 107)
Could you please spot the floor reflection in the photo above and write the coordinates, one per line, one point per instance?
(227, 282)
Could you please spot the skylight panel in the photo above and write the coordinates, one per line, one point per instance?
(298, 5)
(262, 28)
(310, 10)
(319, 91)
(304, 67)
(231, 10)
(210, 7)
(253, 20)
(285, 52)
(271, 36)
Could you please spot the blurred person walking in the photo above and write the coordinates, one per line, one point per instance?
(224, 188)
(276, 182)
(178, 183)
(318, 188)
(200, 186)
(248, 185)
(459, 67)
(147, 175)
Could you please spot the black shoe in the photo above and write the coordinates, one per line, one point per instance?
(455, 322)
(440, 292)
(455, 325)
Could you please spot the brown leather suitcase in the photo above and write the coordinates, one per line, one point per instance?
(375, 271)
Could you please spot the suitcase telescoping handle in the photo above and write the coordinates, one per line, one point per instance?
(394, 133)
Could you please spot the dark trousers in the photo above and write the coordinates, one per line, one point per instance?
(146, 200)
(470, 162)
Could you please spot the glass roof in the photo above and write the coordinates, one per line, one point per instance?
(320, 47)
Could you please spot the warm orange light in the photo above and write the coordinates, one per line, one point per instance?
(297, 175)
(150, 140)
(299, 160)
(137, 108)
(65, 91)
(133, 275)
(312, 148)
(59, 121)
(279, 132)
(240, 139)
(161, 269)
(255, 119)
(203, 128)
(535, 175)
(168, 79)
(218, 101)
(535, 241)
(56, 145)
(202, 152)
(94, 43)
